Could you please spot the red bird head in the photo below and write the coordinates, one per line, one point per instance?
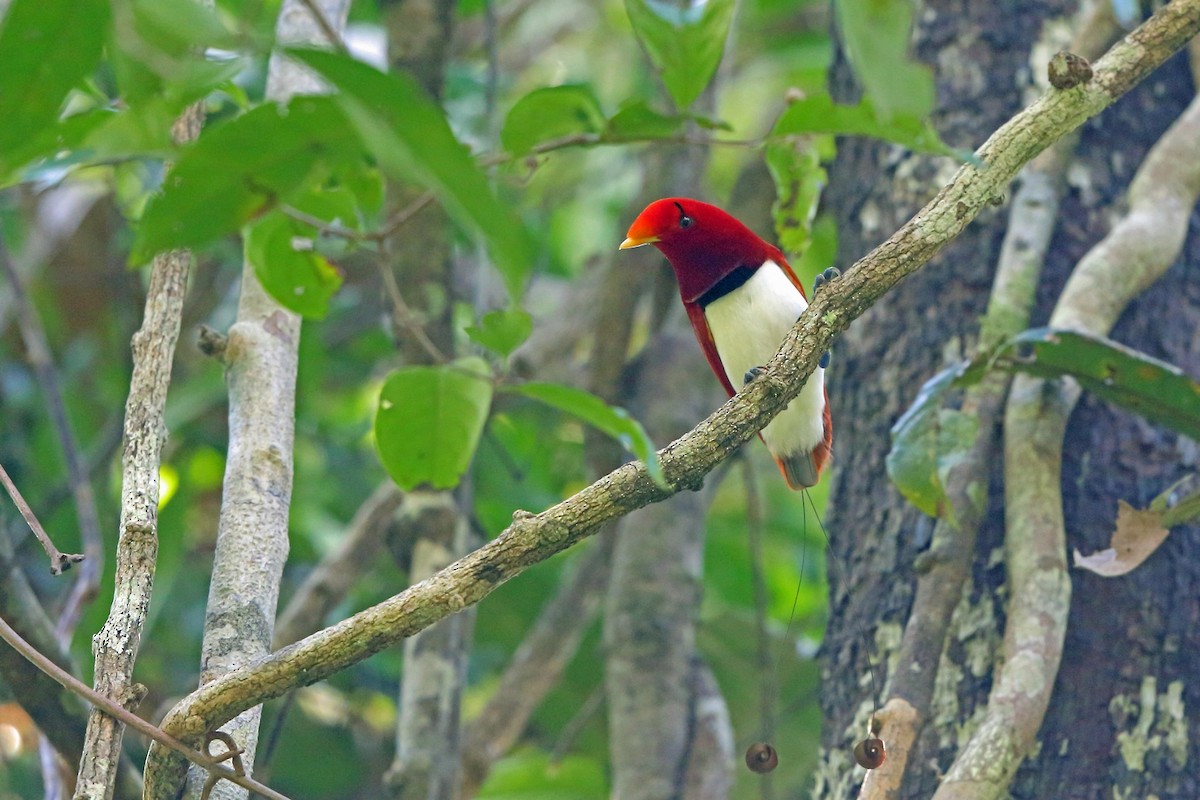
(702, 242)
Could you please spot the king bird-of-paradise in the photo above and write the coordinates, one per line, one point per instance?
(742, 298)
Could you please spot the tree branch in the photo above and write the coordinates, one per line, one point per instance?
(1140, 247)
(534, 537)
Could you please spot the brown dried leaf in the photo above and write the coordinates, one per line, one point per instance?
(1138, 534)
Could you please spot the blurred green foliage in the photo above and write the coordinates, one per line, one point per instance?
(85, 141)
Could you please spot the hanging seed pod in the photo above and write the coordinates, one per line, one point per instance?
(869, 753)
(761, 757)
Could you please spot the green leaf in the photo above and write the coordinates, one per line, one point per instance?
(429, 421)
(928, 441)
(876, 34)
(46, 48)
(684, 44)
(636, 121)
(819, 114)
(410, 139)
(502, 331)
(242, 169)
(283, 254)
(157, 50)
(1155, 389)
(532, 775)
(610, 420)
(550, 113)
(795, 166)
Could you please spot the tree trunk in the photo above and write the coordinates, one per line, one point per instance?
(1116, 725)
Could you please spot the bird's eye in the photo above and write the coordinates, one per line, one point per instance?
(684, 220)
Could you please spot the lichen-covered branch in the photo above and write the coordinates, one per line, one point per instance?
(533, 538)
(944, 569)
(1142, 245)
(116, 645)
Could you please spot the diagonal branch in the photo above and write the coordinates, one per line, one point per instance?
(534, 537)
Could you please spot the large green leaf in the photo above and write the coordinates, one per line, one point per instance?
(637, 121)
(409, 137)
(928, 441)
(876, 34)
(610, 420)
(242, 169)
(685, 44)
(819, 114)
(158, 48)
(550, 113)
(46, 48)
(283, 254)
(1155, 389)
(429, 421)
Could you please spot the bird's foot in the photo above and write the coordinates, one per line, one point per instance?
(823, 278)
(751, 374)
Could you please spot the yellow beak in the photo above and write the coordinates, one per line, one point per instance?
(637, 242)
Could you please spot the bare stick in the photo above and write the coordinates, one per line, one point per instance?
(59, 561)
(74, 685)
(34, 335)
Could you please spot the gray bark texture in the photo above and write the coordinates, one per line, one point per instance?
(1115, 725)
(252, 532)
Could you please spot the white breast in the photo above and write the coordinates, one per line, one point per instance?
(748, 326)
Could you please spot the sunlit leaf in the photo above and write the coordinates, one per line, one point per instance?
(283, 254)
(610, 420)
(502, 331)
(410, 139)
(241, 169)
(429, 421)
(684, 43)
(876, 35)
(550, 113)
(46, 48)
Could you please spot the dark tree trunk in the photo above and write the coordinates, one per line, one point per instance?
(1130, 678)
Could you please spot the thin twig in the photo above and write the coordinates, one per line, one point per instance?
(59, 561)
(38, 347)
(767, 691)
(74, 685)
(334, 38)
(406, 317)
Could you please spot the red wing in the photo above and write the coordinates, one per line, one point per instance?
(704, 336)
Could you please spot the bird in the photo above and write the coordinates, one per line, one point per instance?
(742, 297)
